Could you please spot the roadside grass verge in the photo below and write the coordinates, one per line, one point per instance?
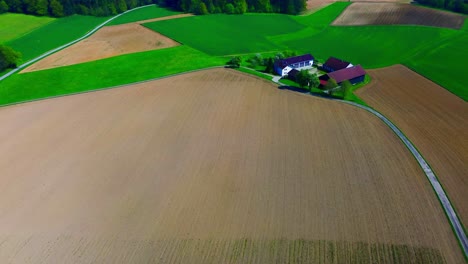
(256, 73)
(110, 72)
(223, 34)
(53, 35)
(149, 12)
(13, 26)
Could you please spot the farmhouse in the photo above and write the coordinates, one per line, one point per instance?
(284, 66)
(353, 74)
(334, 64)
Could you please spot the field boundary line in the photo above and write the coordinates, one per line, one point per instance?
(437, 187)
(68, 44)
(110, 87)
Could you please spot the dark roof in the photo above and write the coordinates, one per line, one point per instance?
(347, 74)
(293, 73)
(336, 64)
(288, 61)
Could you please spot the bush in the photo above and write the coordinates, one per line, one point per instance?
(235, 62)
(9, 58)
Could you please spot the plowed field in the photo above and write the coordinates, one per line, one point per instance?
(397, 14)
(211, 167)
(106, 42)
(435, 120)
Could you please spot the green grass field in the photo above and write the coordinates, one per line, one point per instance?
(143, 14)
(370, 46)
(208, 38)
(444, 64)
(53, 35)
(104, 73)
(227, 34)
(13, 26)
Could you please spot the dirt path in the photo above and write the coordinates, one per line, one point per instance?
(211, 167)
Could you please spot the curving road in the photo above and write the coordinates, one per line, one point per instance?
(449, 211)
(66, 45)
(445, 202)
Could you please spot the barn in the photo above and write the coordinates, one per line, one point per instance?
(353, 74)
(284, 66)
(335, 64)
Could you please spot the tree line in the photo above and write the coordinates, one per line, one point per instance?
(60, 8)
(460, 6)
(203, 7)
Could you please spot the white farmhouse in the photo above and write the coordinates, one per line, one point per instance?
(284, 66)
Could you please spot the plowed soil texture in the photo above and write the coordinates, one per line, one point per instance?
(397, 14)
(211, 167)
(434, 119)
(106, 42)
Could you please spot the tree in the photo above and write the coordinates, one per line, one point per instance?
(306, 79)
(347, 89)
(121, 6)
(201, 9)
(269, 65)
(3, 7)
(9, 58)
(234, 62)
(330, 84)
(42, 7)
(56, 9)
(229, 9)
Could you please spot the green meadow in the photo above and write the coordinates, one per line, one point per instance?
(104, 73)
(143, 14)
(227, 34)
(13, 26)
(210, 40)
(53, 35)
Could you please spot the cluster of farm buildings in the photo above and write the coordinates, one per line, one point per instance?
(336, 69)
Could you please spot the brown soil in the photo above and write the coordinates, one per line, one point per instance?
(211, 167)
(164, 18)
(435, 120)
(397, 14)
(313, 5)
(106, 42)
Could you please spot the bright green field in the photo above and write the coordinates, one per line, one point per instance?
(13, 26)
(445, 64)
(143, 14)
(53, 35)
(370, 46)
(104, 73)
(227, 34)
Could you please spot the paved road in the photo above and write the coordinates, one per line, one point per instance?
(452, 216)
(448, 208)
(66, 45)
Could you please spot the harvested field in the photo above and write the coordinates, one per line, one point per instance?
(106, 42)
(211, 167)
(435, 120)
(317, 4)
(164, 18)
(397, 14)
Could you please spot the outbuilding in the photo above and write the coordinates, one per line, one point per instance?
(335, 64)
(355, 74)
(303, 62)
